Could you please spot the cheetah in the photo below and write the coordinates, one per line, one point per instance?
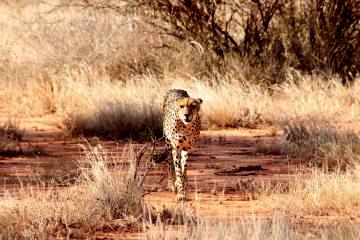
(181, 126)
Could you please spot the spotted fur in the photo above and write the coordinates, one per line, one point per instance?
(181, 129)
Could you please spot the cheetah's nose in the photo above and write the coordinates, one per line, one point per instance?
(187, 117)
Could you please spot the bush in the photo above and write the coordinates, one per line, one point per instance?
(324, 35)
(267, 36)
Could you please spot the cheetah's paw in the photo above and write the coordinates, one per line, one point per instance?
(181, 197)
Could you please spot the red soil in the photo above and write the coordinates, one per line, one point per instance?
(213, 169)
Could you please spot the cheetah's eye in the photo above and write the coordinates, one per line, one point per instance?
(181, 106)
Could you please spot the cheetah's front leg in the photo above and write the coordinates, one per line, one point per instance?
(171, 177)
(179, 181)
(184, 158)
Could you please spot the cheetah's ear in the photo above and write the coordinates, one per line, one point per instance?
(199, 100)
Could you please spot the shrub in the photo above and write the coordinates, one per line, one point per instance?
(268, 36)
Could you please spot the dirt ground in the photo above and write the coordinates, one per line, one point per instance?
(223, 161)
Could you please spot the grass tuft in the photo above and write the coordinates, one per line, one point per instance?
(316, 144)
(104, 196)
(320, 193)
(256, 228)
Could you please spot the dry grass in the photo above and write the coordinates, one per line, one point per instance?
(256, 228)
(316, 143)
(10, 136)
(105, 75)
(114, 110)
(319, 193)
(12, 143)
(105, 196)
(316, 194)
(90, 103)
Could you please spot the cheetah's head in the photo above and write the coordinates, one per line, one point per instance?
(188, 109)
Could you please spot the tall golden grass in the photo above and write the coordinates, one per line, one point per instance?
(90, 102)
(104, 74)
(255, 228)
(319, 193)
(316, 143)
